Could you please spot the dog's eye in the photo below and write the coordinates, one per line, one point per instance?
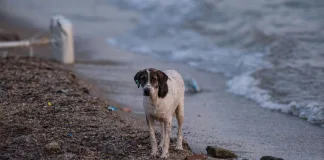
(154, 79)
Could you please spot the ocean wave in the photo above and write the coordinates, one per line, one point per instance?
(262, 46)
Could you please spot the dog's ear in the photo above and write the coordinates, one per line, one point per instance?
(163, 86)
(137, 78)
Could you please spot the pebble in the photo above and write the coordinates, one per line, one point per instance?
(86, 138)
(52, 147)
(133, 136)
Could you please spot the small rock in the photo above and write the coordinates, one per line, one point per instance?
(132, 135)
(199, 115)
(270, 158)
(218, 152)
(85, 90)
(86, 138)
(196, 157)
(62, 91)
(52, 147)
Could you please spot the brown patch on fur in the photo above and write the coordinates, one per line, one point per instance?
(162, 79)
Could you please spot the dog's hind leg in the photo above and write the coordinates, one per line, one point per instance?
(162, 134)
(180, 116)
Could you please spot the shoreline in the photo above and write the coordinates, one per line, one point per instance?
(229, 121)
(120, 122)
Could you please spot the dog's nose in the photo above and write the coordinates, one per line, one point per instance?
(146, 91)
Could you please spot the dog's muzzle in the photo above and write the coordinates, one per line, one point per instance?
(146, 92)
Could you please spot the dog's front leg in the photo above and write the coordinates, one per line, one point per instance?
(162, 134)
(167, 131)
(150, 123)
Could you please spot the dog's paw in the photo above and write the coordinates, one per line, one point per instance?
(164, 155)
(179, 147)
(154, 155)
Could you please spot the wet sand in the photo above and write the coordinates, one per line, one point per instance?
(213, 117)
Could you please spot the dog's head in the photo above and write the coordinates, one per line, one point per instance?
(153, 82)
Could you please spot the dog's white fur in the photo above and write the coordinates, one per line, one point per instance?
(162, 110)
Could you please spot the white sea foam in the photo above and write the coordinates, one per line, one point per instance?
(247, 86)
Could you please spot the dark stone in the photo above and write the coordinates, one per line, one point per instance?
(85, 90)
(218, 152)
(270, 158)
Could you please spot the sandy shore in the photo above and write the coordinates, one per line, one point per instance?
(213, 117)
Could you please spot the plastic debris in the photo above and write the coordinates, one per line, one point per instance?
(192, 84)
(69, 134)
(126, 109)
(112, 108)
(49, 103)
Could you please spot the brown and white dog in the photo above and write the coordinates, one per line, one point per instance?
(163, 96)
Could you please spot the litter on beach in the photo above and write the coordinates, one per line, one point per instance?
(112, 108)
(192, 84)
(69, 134)
(126, 109)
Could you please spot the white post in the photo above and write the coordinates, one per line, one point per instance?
(63, 45)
